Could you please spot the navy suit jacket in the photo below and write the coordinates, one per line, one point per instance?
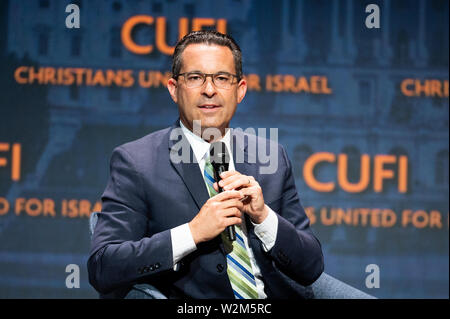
(148, 194)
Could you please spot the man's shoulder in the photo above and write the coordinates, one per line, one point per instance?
(147, 143)
(252, 138)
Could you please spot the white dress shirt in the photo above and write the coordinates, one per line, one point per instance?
(182, 240)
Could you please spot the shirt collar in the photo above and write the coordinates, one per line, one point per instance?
(199, 146)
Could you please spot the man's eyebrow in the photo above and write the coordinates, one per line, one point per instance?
(198, 71)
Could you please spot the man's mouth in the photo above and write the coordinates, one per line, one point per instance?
(209, 106)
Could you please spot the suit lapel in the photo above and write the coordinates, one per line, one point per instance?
(188, 169)
(244, 162)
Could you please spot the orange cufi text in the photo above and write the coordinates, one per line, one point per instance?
(13, 160)
(380, 172)
(160, 27)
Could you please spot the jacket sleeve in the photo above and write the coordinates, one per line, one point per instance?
(297, 252)
(121, 254)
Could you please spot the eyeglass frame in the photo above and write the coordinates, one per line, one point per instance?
(210, 75)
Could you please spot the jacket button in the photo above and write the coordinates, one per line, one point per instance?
(220, 267)
(152, 267)
(157, 265)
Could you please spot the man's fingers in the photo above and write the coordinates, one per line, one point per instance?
(228, 173)
(250, 191)
(239, 181)
(227, 195)
(232, 216)
(234, 202)
(230, 212)
(229, 179)
(233, 221)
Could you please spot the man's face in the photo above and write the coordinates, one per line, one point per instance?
(195, 103)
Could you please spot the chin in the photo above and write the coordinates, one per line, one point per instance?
(212, 124)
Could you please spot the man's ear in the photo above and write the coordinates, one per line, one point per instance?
(172, 87)
(241, 90)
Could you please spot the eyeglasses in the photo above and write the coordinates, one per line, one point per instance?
(222, 80)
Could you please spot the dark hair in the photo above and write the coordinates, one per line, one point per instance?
(208, 37)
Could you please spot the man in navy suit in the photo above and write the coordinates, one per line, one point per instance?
(163, 225)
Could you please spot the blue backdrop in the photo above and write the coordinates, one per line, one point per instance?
(363, 113)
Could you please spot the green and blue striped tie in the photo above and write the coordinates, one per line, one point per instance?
(239, 267)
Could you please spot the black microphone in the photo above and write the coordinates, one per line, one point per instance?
(220, 160)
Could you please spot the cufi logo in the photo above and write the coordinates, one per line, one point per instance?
(160, 28)
(15, 151)
(371, 167)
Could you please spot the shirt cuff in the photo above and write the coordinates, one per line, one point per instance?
(182, 243)
(267, 230)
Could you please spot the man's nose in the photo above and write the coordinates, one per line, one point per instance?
(209, 89)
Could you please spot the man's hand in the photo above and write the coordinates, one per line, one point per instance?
(254, 203)
(216, 214)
